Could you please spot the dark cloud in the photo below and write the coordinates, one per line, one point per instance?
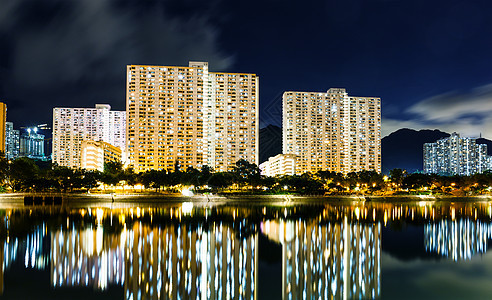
(74, 53)
(468, 113)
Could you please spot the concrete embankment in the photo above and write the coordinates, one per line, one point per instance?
(80, 200)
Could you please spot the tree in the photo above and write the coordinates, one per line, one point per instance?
(205, 174)
(22, 174)
(246, 173)
(65, 178)
(220, 180)
(112, 173)
(90, 178)
(153, 179)
(190, 177)
(397, 176)
(129, 176)
(4, 169)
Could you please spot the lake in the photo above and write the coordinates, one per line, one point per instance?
(285, 249)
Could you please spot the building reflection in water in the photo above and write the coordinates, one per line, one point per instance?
(328, 251)
(175, 261)
(87, 258)
(457, 239)
(180, 261)
(322, 261)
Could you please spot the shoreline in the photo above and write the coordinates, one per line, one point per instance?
(178, 198)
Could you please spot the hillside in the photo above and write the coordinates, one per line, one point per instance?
(270, 142)
(401, 149)
(404, 148)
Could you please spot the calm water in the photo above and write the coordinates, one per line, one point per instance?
(341, 250)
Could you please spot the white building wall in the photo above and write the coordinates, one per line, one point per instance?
(71, 126)
(281, 164)
(455, 155)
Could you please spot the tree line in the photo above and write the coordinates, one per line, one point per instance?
(24, 174)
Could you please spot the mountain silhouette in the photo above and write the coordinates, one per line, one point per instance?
(404, 148)
(401, 149)
(270, 142)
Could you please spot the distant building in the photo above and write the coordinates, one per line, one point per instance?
(455, 156)
(72, 126)
(190, 117)
(281, 164)
(96, 154)
(31, 144)
(332, 131)
(12, 141)
(3, 121)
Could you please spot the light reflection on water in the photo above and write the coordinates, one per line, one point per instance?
(211, 252)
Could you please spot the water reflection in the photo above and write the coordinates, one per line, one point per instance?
(211, 252)
(458, 239)
(176, 260)
(321, 261)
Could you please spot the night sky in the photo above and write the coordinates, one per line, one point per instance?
(429, 61)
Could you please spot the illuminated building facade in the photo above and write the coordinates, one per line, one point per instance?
(455, 155)
(281, 164)
(96, 154)
(190, 117)
(72, 126)
(12, 140)
(332, 131)
(31, 144)
(328, 261)
(3, 121)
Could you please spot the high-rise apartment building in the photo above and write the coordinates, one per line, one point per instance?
(3, 121)
(332, 131)
(72, 126)
(455, 155)
(12, 140)
(190, 117)
(31, 144)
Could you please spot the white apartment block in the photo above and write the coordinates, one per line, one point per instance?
(456, 155)
(12, 141)
(332, 131)
(281, 164)
(190, 117)
(72, 126)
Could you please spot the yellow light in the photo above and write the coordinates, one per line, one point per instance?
(99, 215)
(187, 207)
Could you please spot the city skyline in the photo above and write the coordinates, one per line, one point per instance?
(428, 61)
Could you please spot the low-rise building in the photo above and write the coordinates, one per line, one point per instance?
(96, 153)
(281, 164)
